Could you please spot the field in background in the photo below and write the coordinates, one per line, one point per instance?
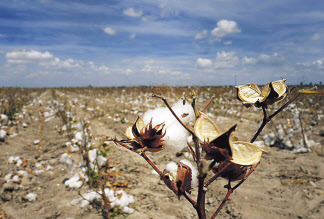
(288, 184)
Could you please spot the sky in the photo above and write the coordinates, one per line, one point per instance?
(59, 43)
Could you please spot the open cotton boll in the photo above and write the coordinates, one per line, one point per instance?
(79, 136)
(31, 197)
(158, 116)
(74, 182)
(3, 135)
(172, 169)
(175, 138)
(194, 172)
(4, 119)
(184, 111)
(66, 160)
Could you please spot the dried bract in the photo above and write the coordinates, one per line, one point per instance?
(224, 147)
(271, 92)
(179, 180)
(233, 172)
(147, 137)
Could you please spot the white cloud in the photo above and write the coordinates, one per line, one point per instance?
(128, 71)
(249, 60)
(132, 13)
(109, 31)
(152, 67)
(226, 60)
(2, 35)
(201, 35)
(204, 63)
(272, 59)
(25, 56)
(132, 36)
(316, 36)
(50, 63)
(224, 28)
(228, 43)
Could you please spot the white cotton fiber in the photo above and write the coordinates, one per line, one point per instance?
(176, 136)
(74, 182)
(194, 172)
(120, 199)
(79, 136)
(31, 197)
(172, 169)
(66, 160)
(3, 135)
(4, 119)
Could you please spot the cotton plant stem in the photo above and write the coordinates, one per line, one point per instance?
(142, 154)
(211, 180)
(151, 163)
(190, 199)
(210, 101)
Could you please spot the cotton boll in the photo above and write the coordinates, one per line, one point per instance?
(3, 135)
(172, 169)
(79, 136)
(159, 116)
(4, 119)
(175, 137)
(31, 197)
(74, 182)
(92, 155)
(101, 160)
(66, 160)
(194, 172)
(184, 111)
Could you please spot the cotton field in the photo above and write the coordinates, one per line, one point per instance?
(56, 160)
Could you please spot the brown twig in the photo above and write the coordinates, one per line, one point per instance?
(210, 101)
(217, 175)
(189, 199)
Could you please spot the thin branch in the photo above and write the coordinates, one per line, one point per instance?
(192, 151)
(190, 199)
(151, 163)
(174, 114)
(210, 101)
(217, 175)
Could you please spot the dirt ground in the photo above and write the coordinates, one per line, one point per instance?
(285, 185)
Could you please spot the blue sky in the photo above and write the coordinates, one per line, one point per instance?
(50, 43)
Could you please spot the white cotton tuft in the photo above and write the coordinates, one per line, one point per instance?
(194, 172)
(4, 119)
(66, 160)
(176, 136)
(172, 169)
(79, 136)
(184, 111)
(31, 197)
(74, 182)
(3, 135)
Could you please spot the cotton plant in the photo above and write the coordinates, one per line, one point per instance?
(215, 151)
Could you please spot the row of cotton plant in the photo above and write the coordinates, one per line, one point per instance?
(91, 171)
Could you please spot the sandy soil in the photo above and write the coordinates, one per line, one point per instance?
(285, 185)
